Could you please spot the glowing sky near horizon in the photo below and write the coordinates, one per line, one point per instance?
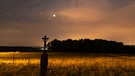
(25, 22)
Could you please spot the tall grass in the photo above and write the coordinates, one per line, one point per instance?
(63, 64)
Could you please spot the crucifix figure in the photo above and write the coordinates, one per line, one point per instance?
(45, 40)
(44, 59)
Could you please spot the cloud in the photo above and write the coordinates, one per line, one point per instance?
(29, 20)
(112, 24)
(9, 14)
(124, 16)
(81, 15)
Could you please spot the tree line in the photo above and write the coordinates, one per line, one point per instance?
(88, 45)
(18, 48)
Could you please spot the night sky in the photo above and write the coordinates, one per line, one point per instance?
(25, 22)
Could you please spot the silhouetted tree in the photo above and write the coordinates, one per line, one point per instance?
(87, 45)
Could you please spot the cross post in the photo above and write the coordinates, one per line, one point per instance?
(44, 59)
(45, 41)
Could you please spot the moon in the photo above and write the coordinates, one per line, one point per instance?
(54, 15)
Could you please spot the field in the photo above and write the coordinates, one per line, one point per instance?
(67, 64)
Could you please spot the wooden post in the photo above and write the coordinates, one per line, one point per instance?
(44, 59)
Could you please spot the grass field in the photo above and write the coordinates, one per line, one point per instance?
(67, 64)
